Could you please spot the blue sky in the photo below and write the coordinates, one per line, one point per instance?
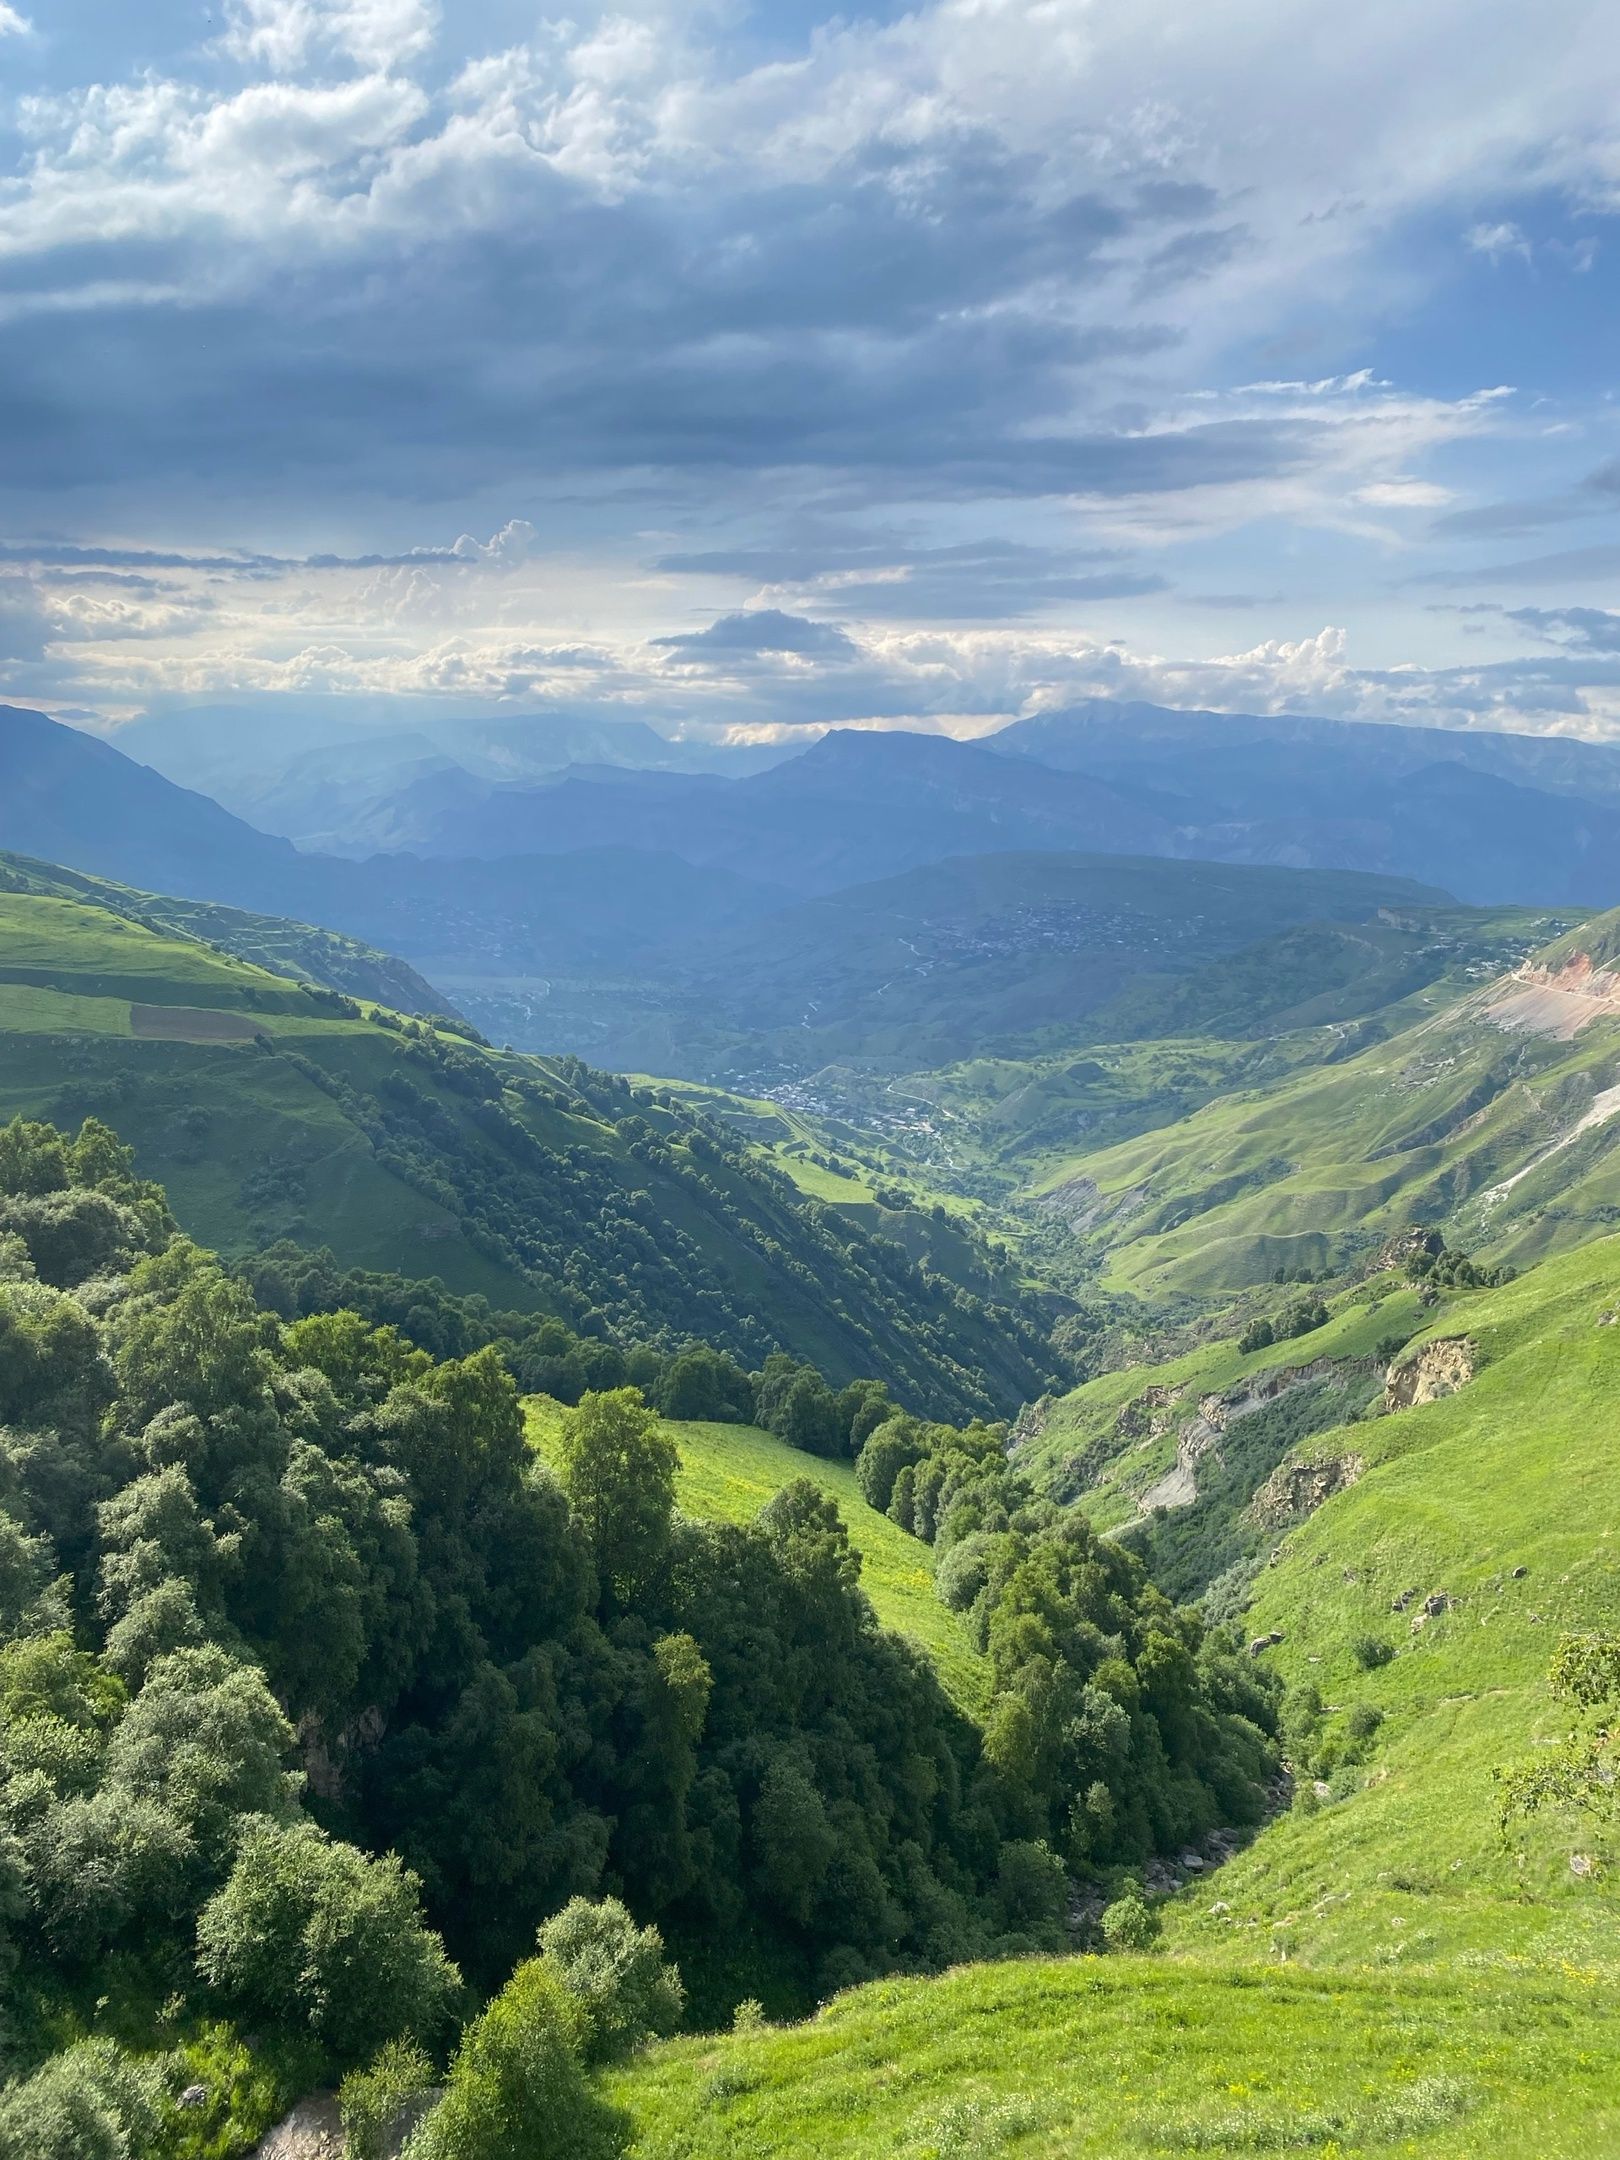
(752, 369)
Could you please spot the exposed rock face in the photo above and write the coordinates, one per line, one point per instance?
(1029, 1424)
(314, 2131)
(1440, 1368)
(311, 2132)
(1178, 1488)
(1081, 1204)
(1299, 1488)
(1145, 1415)
(1555, 1001)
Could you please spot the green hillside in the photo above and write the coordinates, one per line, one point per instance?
(1116, 2056)
(727, 1474)
(272, 1110)
(301, 950)
(1502, 1498)
(1491, 1114)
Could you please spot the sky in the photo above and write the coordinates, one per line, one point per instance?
(750, 369)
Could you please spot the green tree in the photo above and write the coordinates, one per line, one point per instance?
(616, 1972)
(618, 1468)
(311, 1935)
(517, 2085)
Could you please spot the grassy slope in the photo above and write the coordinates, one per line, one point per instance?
(1078, 1452)
(1329, 1160)
(727, 1474)
(286, 948)
(1377, 1975)
(1518, 1469)
(252, 1148)
(1115, 2056)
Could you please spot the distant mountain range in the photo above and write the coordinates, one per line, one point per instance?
(615, 906)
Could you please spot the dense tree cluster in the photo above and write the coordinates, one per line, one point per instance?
(312, 1681)
(616, 1206)
(1120, 1724)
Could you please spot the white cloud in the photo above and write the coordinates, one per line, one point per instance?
(1497, 241)
(1403, 493)
(11, 23)
(285, 34)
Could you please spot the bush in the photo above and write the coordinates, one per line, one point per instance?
(93, 2102)
(1371, 1651)
(517, 2085)
(1363, 1720)
(376, 2102)
(615, 1972)
(312, 1936)
(1130, 1923)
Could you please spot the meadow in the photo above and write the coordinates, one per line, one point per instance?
(728, 1472)
(1128, 2055)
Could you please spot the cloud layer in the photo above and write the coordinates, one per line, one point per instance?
(744, 369)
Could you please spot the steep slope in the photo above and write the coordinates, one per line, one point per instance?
(1479, 1528)
(275, 1111)
(729, 1472)
(299, 950)
(1109, 2057)
(1493, 1116)
(69, 798)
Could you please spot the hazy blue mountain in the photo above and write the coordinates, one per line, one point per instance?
(946, 961)
(71, 798)
(336, 783)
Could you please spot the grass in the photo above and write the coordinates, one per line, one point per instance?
(1117, 2056)
(1517, 1470)
(728, 1472)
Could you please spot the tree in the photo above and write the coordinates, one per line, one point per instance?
(311, 1935)
(616, 1972)
(1580, 1770)
(92, 2102)
(618, 1469)
(517, 2085)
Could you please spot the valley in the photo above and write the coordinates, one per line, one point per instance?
(1012, 1480)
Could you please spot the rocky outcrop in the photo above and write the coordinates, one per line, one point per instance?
(311, 2132)
(1145, 1416)
(1296, 1489)
(1178, 1488)
(1080, 1204)
(1438, 1368)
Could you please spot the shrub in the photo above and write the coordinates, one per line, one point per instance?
(1130, 1923)
(375, 2103)
(616, 1973)
(92, 2102)
(1363, 1720)
(517, 2085)
(1371, 1651)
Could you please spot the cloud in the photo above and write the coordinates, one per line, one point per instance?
(1497, 241)
(1581, 629)
(1403, 493)
(889, 574)
(11, 23)
(761, 632)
